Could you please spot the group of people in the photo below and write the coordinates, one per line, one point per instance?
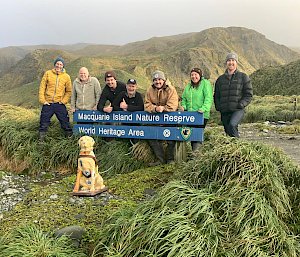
(233, 92)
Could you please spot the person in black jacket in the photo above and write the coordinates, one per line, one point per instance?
(233, 92)
(129, 100)
(111, 90)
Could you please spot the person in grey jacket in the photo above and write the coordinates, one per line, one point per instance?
(86, 91)
(233, 92)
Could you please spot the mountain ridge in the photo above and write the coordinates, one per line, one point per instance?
(175, 55)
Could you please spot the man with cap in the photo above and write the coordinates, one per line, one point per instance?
(129, 100)
(110, 91)
(233, 92)
(161, 97)
(54, 93)
(197, 97)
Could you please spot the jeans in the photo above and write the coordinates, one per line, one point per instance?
(231, 121)
(61, 113)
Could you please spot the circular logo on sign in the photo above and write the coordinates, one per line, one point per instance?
(167, 133)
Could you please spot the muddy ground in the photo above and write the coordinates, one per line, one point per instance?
(290, 144)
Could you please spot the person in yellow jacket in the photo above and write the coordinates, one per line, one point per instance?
(54, 92)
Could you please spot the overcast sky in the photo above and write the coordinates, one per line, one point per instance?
(31, 22)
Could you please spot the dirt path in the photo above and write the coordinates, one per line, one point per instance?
(290, 144)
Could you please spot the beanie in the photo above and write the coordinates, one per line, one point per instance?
(233, 56)
(109, 74)
(199, 71)
(59, 59)
(158, 75)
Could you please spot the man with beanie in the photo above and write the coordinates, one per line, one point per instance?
(110, 91)
(54, 92)
(197, 97)
(161, 97)
(233, 92)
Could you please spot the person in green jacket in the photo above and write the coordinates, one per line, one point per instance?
(198, 96)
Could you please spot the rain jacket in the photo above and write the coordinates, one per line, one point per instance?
(195, 98)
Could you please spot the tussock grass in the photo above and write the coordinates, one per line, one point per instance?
(234, 198)
(19, 144)
(31, 241)
(142, 151)
(272, 108)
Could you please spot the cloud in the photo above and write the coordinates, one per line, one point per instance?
(123, 21)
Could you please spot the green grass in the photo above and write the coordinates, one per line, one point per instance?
(19, 141)
(235, 198)
(31, 241)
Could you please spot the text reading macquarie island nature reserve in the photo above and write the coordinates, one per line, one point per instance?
(179, 126)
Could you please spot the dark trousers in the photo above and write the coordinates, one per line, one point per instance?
(157, 147)
(60, 112)
(231, 121)
(196, 144)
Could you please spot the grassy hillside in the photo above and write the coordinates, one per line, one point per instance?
(278, 80)
(296, 49)
(9, 56)
(175, 55)
(30, 68)
(232, 198)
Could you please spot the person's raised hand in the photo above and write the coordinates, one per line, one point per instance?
(108, 108)
(124, 105)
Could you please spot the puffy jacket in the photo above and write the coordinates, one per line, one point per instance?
(198, 98)
(55, 87)
(85, 96)
(166, 96)
(232, 93)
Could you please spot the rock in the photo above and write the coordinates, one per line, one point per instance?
(11, 191)
(280, 122)
(54, 197)
(149, 191)
(74, 232)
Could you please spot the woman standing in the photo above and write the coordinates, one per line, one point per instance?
(198, 96)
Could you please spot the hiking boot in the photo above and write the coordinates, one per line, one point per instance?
(195, 146)
(42, 136)
(170, 162)
(156, 163)
(69, 133)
